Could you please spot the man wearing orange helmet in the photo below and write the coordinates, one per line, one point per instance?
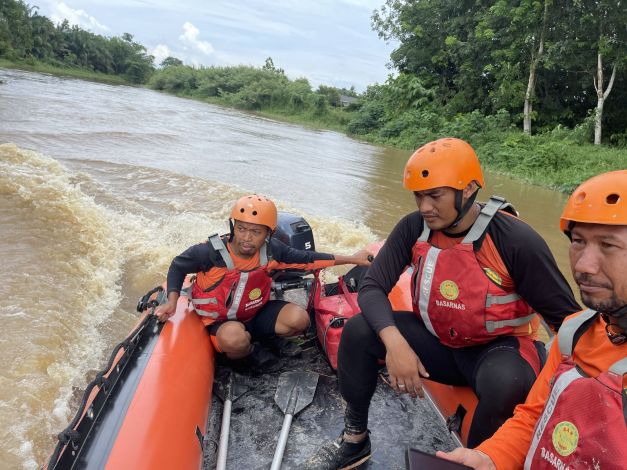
(576, 413)
(231, 290)
(479, 275)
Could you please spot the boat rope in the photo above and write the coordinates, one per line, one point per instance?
(72, 436)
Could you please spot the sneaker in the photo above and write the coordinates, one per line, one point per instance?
(283, 347)
(339, 455)
(263, 361)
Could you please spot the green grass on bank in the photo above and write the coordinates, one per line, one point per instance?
(36, 66)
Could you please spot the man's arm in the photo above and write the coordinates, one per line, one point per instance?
(387, 267)
(286, 257)
(193, 260)
(533, 269)
(508, 447)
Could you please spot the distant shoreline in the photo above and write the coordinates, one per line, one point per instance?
(547, 160)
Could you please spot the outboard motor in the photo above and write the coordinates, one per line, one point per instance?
(293, 230)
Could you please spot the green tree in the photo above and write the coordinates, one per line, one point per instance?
(170, 62)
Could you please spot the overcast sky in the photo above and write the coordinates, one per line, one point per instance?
(327, 41)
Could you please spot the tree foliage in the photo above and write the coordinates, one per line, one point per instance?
(26, 35)
(477, 55)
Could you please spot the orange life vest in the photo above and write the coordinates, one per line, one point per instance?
(453, 295)
(238, 295)
(583, 424)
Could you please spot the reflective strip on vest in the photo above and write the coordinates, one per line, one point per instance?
(566, 333)
(263, 255)
(560, 385)
(491, 326)
(500, 299)
(619, 367)
(239, 292)
(426, 279)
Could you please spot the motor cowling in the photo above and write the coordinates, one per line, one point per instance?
(293, 230)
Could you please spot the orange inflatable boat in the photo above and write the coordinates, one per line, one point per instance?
(153, 405)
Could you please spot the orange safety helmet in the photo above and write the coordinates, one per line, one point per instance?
(444, 162)
(600, 200)
(255, 209)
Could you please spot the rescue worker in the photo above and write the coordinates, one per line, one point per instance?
(479, 275)
(576, 413)
(231, 290)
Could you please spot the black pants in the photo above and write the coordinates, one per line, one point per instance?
(499, 372)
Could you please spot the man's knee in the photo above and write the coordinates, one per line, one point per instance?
(357, 331)
(233, 338)
(504, 381)
(292, 320)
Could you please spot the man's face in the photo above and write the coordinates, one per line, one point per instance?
(437, 207)
(598, 259)
(248, 238)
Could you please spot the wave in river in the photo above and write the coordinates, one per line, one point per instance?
(80, 241)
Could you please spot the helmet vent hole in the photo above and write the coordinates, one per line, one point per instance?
(254, 212)
(580, 197)
(241, 210)
(425, 173)
(612, 198)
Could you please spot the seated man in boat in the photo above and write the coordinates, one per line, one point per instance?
(479, 275)
(575, 414)
(231, 289)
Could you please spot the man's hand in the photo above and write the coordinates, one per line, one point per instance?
(473, 458)
(363, 258)
(404, 366)
(166, 310)
(360, 258)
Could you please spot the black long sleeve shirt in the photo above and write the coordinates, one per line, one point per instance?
(530, 263)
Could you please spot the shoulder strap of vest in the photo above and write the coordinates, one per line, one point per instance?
(620, 368)
(426, 231)
(265, 254)
(485, 216)
(572, 329)
(220, 255)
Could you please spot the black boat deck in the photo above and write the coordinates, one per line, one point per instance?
(396, 422)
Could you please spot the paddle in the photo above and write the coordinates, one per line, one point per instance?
(228, 391)
(294, 392)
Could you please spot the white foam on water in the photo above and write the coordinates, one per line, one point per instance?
(84, 239)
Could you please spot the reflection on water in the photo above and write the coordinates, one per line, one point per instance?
(122, 179)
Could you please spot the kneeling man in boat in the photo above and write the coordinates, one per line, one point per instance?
(576, 413)
(479, 276)
(231, 290)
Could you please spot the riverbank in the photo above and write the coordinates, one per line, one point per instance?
(82, 74)
(560, 159)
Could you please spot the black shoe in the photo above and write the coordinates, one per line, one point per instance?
(339, 455)
(283, 347)
(263, 361)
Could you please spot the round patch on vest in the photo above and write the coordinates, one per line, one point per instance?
(493, 275)
(449, 290)
(565, 438)
(254, 294)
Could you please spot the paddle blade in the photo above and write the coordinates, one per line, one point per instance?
(295, 391)
(229, 386)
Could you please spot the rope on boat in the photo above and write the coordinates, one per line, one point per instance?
(72, 436)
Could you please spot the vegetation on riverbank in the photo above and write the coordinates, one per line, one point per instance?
(41, 67)
(470, 79)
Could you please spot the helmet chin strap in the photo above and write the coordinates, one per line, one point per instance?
(620, 323)
(231, 230)
(462, 211)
